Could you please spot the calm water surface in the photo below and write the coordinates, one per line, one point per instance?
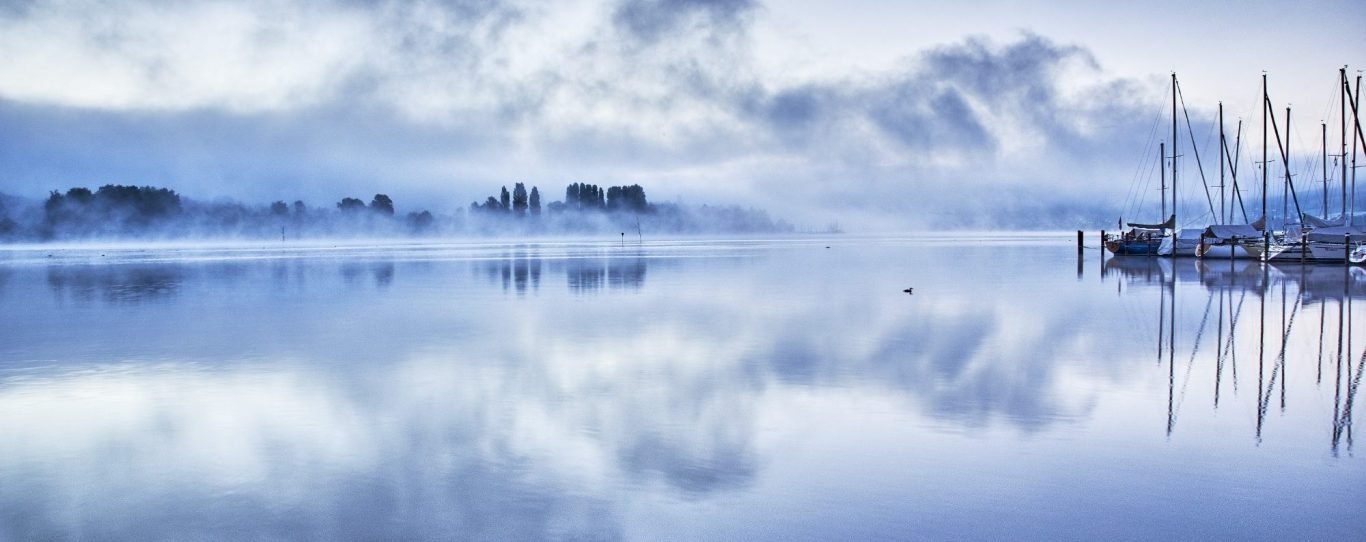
(769, 389)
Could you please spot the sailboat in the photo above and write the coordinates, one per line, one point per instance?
(1315, 239)
(1144, 239)
(1149, 239)
(1184, 242)
(1231, 241)
(1141, 239)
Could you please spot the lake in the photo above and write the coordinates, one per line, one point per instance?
(738, 389)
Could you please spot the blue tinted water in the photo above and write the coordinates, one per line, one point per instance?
(733, 389)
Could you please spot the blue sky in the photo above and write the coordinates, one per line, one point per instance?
(880, 114)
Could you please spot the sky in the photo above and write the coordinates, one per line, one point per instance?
(879, 115)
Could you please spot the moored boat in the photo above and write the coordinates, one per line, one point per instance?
(1140, 240)
(1235, 241)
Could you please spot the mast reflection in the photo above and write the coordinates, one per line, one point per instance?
(1303, 317)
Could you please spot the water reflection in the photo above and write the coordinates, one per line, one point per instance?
(1299, 318)
(517, 272)
(1137, 269)
(589, 275)
(459, 395)
(114, 284)
(382, 273)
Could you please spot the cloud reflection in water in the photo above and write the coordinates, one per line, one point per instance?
(397, 397)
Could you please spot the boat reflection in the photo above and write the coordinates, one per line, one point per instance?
(1274, 318)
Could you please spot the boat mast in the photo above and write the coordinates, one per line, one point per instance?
(1222, 144)
(1356, 135)
(1233, 171)
(1264, 161)
(1174, 147)
(1162, 171)
(1356, 116)
(1324, 125)
(1285, 160)
(1342, 153)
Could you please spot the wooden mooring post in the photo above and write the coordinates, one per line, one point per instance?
(1079, 244)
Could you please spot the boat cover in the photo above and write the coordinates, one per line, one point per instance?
(1336, 233)
(1232, 231)
(1169, 224)
(1312, 221)
(1188, 234)
(1186, 241)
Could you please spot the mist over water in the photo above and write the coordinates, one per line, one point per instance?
(677, 389)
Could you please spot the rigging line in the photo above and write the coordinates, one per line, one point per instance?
(1233, 359)
(1351, 102)
(1135, 191)
(1196, 149)
(1190, 365)
(1139, 166)
(1132, 204)
(1285, 162)
(1323, 322)
(1213, 129)
(1228, 346)
(1310, 166)
(1233, 166)
(1280, 361)
(1232, 162)
(1218, 348)
(1346, 417)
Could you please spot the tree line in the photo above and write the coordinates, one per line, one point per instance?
(577, 197)
(114, 211)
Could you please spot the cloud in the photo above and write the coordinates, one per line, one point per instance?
(444, 99)
(652, 20)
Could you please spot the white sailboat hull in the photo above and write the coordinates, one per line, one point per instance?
(1327, 252)
(1232, 251)
(1313, 251)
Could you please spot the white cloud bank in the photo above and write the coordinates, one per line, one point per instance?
(267, 99)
